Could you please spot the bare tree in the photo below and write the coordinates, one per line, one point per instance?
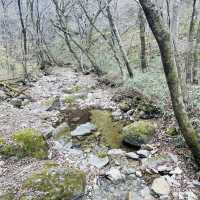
(115, 32)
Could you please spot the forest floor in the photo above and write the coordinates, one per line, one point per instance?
(162, 169)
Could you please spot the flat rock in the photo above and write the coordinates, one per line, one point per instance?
(83, 129)
(116, 152)
(176, 171)
(132, 155)
(160, 186)
(143, 153)
(98, 162)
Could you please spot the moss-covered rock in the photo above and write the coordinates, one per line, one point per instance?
(138, 133)
(57, 183)
(32, 143)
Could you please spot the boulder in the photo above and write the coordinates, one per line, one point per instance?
(138, 133)
(57, 183)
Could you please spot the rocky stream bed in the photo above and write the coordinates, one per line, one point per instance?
(70, 138)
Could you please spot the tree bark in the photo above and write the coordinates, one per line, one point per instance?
(143, 55)
(164, 41)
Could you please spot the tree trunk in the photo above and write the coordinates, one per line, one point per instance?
(118, 39)
(174, 26)
(196, 58)
(24, 34)
(190, 46)
(143, 56)
(164, 41)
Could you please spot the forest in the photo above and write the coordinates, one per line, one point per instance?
(99, 99)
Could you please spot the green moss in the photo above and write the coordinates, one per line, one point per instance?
(57, 183)
(32, 143)
(110, 131)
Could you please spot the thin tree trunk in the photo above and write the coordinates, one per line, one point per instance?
(118, 38)
(196, 58)
(24, 34)
(143, 55)
(164, 41)
(189, 51)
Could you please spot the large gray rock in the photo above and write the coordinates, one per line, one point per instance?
(83, 129)
(160, 186)
(138, 133)
(98, 162)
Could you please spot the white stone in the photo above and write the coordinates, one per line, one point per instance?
(160, 186)
(138, 174)
(116, 152)
(132, 155)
